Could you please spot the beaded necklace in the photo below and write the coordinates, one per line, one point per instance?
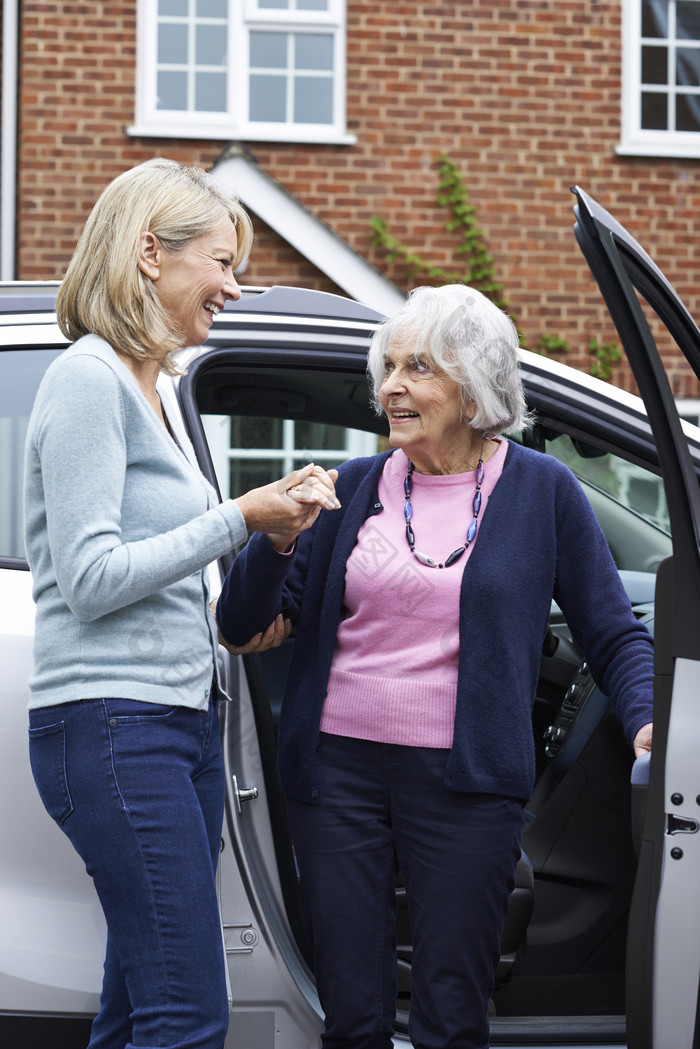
(471, 530)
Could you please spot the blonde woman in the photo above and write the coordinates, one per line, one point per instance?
(120, 526)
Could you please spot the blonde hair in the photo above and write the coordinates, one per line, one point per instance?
(104, 291)
(472, 341)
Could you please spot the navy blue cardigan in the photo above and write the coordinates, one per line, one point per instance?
(538, 540)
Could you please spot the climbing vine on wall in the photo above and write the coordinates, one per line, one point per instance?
(476, 263)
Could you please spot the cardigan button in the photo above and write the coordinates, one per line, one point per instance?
(314, 793)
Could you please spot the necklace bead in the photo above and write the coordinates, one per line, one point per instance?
(471, 530)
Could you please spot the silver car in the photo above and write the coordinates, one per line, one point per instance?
(602, 942)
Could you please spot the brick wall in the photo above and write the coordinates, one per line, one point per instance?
(524, 95)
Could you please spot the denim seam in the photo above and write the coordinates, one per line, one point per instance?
(167, 982)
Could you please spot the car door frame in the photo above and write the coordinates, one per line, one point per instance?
(663, 958)
(246, 350)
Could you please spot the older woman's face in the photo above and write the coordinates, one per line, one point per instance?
(195, 282)
(423, 407)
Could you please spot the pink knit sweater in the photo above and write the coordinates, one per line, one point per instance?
(394, 672)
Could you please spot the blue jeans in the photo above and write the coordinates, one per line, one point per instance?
(138, 788)
(385, 808)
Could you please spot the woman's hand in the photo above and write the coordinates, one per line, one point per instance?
(289, 506)
(277, 632)
(642, 741)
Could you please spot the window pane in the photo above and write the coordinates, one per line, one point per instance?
(172, 43)
(312, 5)
(254, 432)
(277, 5)
(655, 18)
(172, 8)
(246, 474)
(268, 50)
(268, 98)
(654, 65)
(654, 112)
(313, 51)
(323, 436)
(687, 113)
(210, 92)
(172, 90)
(210, 45)
(212, 9)
(687, 20)
(313, 101)
(688, 67)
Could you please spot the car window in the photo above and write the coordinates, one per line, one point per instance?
(630, 485)
(628, 499)
(20, 374)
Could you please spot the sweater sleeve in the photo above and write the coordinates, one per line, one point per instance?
(590, 593)
(79, 438)
(260, 585)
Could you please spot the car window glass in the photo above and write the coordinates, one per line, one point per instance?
(634, 487)
(628, 500)
(20, 374)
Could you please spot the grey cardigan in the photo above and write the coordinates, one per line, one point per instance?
(119, 526)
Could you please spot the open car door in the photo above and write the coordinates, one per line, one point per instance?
(663, 956)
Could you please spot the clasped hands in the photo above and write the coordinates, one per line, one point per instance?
(312, 492)
(289, 506)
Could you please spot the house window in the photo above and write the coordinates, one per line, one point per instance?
(249, 451)
(689, 409)
(242, 69)
(661, 78)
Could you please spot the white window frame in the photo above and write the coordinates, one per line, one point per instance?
(233, 125)
(689, 408)
(217, 429)
(635, 140)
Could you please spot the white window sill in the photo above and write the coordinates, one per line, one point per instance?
(679, 150)
(321, 136)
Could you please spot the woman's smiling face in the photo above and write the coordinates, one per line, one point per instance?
(195, 282)
(424, 409)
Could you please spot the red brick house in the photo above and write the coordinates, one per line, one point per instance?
(325, 113)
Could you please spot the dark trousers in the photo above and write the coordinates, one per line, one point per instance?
(139, 790)
(385, 808)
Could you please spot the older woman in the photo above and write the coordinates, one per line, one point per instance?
(120, 526)
(420, 609)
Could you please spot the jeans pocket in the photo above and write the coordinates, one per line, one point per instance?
(47, 756)
(133, 711)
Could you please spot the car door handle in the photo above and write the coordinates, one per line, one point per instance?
(242, 794)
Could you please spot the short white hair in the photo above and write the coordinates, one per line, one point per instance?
(469, 338)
